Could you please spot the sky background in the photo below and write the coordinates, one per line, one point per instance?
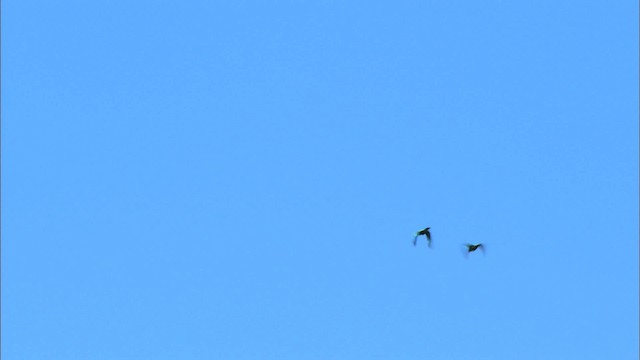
(243, 180)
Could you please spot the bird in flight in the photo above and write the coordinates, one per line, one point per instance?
(473, 247)
(424, 232)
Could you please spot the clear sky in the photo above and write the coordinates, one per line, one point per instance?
(243, 179)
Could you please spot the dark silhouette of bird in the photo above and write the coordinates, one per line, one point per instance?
(473, 247)
(424, 232)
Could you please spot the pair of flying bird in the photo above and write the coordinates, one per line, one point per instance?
(427, 234)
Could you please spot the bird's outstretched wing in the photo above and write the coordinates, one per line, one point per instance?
(481, 247)
(415, 239)
(428, 234)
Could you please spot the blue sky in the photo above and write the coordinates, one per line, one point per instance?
(243, 180)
